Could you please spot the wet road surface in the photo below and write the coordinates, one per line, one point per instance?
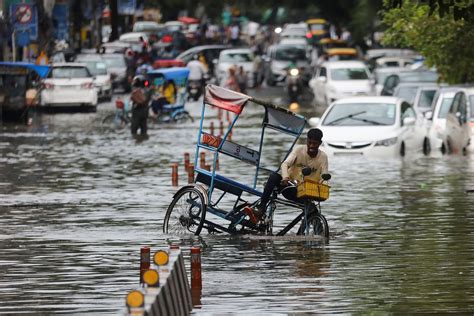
(77, 202)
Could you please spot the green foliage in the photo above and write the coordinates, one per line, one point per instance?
(443, 39)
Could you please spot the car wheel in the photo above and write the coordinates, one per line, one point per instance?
(443, 149)
(449, 147)
(270, 81)
(402, 150)
(426, 147)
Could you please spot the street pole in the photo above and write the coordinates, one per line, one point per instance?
(13, 45)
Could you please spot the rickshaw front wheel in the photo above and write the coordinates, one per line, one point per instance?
(186, 213)
(318, 226)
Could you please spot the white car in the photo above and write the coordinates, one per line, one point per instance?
(457, 135)
(102, 77)
(436, 118)
(371, 126)
(133, 37)
(234, 58)
(340, 79)
(69, 84)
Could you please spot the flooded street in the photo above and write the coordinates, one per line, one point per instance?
(77, 201)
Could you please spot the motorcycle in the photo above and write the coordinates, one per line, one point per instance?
(195, 88)
(293, 84)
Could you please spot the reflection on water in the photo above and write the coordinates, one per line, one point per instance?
(77, 203)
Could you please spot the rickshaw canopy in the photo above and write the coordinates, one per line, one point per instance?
(179, 75)
(18, 68)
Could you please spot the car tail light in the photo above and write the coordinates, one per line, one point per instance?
(167, 39)
(119, 104)
(48, 86)
(147, 83)
(87, 85)
(309, 35)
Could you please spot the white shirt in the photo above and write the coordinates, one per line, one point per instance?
(299, 158)
(196, 70)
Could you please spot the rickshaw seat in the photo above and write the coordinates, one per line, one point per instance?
(225, 184)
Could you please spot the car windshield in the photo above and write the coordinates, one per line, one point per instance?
(349, 74)
(290, 53)
(317, 27)
(423, 76)
(426, 98)
(236, 57)
(408, 93)
(361, 114)
(96, 68)
(70, 72)
(115, 62)
(444, 108)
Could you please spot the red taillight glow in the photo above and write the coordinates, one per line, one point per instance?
(146, 83)
(309, 35)
(87, 85)
(48, 86)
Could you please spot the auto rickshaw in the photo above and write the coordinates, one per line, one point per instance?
(20, 85)
(318, 29)
(342, 54)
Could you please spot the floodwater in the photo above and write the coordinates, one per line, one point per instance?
(78, 201)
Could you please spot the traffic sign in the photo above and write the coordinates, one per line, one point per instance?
(23, 14)
(25, 19)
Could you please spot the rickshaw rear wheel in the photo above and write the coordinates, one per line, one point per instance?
(186, 213)
(183, 117)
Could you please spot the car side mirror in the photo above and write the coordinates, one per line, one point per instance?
(409, 121)
(215, 61)
(428, 115)
(322, 78)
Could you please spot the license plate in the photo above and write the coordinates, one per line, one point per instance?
(348, 154)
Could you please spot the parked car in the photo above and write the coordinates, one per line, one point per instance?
(457, 136)
(340, 79)
(371, 126)
(393, 80)
(436, 118)
(418, 94)
(133, 37)
(102, 77)
(393, 61)
(69, 84)
(279, 57)
(120, 72)
(234, 57)
(381, 73)
(148, 27)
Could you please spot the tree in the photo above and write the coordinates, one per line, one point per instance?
(443, 35)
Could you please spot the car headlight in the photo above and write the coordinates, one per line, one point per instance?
(387, 142)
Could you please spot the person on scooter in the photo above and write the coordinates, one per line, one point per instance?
(197, 73)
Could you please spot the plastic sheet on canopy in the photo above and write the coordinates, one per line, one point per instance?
(11, 67)
(225, 99)
(284, 120)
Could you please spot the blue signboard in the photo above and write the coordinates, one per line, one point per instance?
(61, 21)
(126, 7)
(25, 19)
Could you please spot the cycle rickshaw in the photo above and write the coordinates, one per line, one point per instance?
(169, 84)
(197, 206)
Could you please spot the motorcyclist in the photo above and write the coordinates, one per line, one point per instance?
(196, 78)
(140, 97)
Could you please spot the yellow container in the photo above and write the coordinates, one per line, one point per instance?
(313, 190)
